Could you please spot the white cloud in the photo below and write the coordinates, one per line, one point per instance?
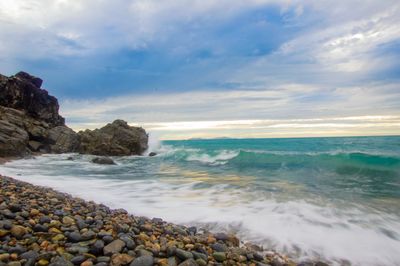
(83, 27)
(275, 110)
(348, 44)
(318, 74)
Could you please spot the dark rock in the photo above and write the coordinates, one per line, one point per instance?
(219, 247)
(30, 122)
(114, 247)
(30, 262)
(321, 263)
(108, 239)
(81, 224)
(44, 219)
(143, 252)
(74, 237)
(17, 249)
(219, 256)
(198, 255)
(97, 247)
(60, 261)
(157, 220)
(183, 254)
(114, 139)
(151, 154)
(40, 228)
(192, 230)
(34, 80)
(22, 92)
(103, 160)
(130, 244)
(77, 260)
(15, 207)
(221, 236)
(29, 255)
(258, 257)
(76, 249)
(8, 214)
(188, 262)
(88, 235)
(143, 261)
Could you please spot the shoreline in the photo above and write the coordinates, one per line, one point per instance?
(41, 226)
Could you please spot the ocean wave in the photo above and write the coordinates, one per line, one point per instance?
(304, 229)
(278, 159)
(219, 158)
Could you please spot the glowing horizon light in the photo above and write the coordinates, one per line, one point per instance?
(333, 126)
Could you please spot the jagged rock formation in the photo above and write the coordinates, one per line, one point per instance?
(30, 122)
(23, 92)
(116, 138)
(29, 119)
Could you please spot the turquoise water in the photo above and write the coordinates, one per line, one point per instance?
(332, 198)
(356, 168)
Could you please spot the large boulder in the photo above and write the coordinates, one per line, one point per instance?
(22, 92)
(62, 139)
(115, 139)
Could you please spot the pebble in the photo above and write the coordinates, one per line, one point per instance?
(18, 231)
(114, 247)
(97, 247)
(188, 262)
(68, 220)
(143, 261)
(4, 257)
(78, 259)
(219, 256)
(40, 227)
(182, 254)
(74, 237)
(219, 247)
(87, 263)
(121, 259)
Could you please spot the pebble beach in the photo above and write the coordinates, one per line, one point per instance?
(40, 226)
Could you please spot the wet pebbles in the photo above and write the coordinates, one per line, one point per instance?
(40, 226)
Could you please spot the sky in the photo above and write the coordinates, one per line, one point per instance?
(203, 69)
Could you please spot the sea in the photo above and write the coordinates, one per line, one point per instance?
(331, 199)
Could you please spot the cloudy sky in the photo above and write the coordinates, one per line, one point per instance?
(210, 68)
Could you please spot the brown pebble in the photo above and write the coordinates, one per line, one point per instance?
(87, 263)
(34, 212)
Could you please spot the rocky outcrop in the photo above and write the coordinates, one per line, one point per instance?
(103, 160)
(115, 139)
(29, 119)
(30, 122)
(62, 139)
(22, 92)
(13, 138)
(21, 135)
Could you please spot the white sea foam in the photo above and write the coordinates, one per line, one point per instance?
(154, 143)
(305, 229)
(220, 158)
